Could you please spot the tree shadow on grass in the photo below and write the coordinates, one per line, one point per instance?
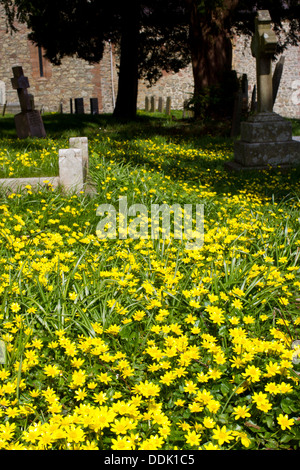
(185, 132)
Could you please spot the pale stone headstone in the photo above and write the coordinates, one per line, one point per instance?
(94, 105)
(79, 106)
(2, 93)
(82, 144)
(71, 169)
(29, 122)
(266, 138)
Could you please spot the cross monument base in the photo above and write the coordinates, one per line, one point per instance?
(266, 139)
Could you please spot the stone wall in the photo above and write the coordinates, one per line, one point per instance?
(75, 78)
(179, 86)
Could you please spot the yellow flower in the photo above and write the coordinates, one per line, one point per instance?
(15, 307)
(285, 422)
(222, 435)
(253, 373)
(72, 295)
(51, 370)
(193, 438)
(241, 412)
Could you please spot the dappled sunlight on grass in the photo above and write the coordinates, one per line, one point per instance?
(140, 343)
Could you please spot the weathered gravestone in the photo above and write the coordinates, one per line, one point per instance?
(160, 105)
(152, 104)
(79, 106)
(28, 122)
(168, 105)
(94, 105)
(266, 138)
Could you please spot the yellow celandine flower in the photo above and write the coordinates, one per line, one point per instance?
(80, 394)
(261, 401)
(15, 307)
(192, 438)
(222, 435)
(253, 373)
(211, 446)
(241, 412)
(245, 440)
(208, 422)
(74, 434)
(78, 378)
(52, 370)
(146, 389)
(236, 303)
(285, 422)
(122, 443)
(122, 425)
(153, 443)
(215, 314)
(100, 397)
(190, 387)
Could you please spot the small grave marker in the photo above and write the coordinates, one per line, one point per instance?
(79, 106)
(94, 106)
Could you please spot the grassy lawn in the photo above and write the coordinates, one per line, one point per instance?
(140, 343)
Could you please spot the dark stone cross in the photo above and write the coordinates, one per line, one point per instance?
(28, 122)
(21, 83)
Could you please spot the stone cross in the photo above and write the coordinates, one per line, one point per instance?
(263, 47)
(21, 83)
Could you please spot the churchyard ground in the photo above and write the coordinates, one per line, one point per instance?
(139, 343)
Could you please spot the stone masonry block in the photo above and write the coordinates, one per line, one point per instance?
(82, 144)
(71, 169)
(267, 153)
(256, 132)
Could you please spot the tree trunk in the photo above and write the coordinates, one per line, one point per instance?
(211, 47)
(126, 103)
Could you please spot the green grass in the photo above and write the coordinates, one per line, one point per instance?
(143, 344)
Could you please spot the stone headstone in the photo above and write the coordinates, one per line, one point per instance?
(71, 169)
(2, 93)
(168, 105)
(266, 138)
(94, 105)
(79, 106)
(160, 105)
(152, 104)
(237, 114)
(82, 144)
(29, 122)
(146, 103)
(71, 106)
